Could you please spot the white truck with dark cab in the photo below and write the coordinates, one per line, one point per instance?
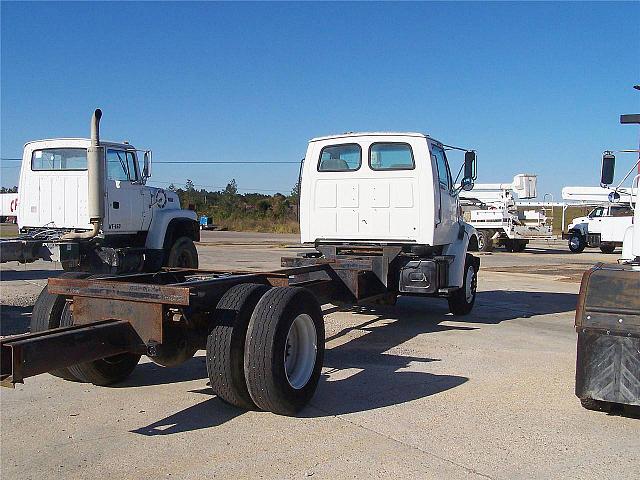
(85, 202)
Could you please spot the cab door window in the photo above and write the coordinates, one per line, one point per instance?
(134, 174)
(597, 212)
(444, 175)
(121, 166)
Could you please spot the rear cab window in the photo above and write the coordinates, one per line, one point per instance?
(391, 156)
(340, 158)
(50, 159)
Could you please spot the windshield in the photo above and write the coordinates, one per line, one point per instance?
(59, 159)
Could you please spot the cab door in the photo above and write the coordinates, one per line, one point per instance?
(124, 202)
(446, 200)
(595, 220)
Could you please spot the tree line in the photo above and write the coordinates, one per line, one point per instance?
(232, 210)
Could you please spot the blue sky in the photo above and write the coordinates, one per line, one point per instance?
(533, 87)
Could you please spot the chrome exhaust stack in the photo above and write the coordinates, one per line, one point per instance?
(96, 174)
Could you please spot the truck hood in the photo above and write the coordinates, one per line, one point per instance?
(578, 221)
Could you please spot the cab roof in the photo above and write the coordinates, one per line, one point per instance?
(127, 146)
(370, 134)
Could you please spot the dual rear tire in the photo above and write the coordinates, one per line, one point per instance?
(267, 348)
(607, 247)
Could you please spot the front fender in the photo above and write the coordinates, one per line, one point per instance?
(627, 244)
(581, 228)
(160, 223)
(459, 251)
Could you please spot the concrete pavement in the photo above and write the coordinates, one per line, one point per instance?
(406, 392)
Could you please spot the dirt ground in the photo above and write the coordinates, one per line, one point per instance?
(406, 392)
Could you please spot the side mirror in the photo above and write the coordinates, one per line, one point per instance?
(614, 197)
(608, 168)
(146, 169)
(466, 184)
(470, 172)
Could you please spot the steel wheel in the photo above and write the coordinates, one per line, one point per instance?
(471, 284)
(300, 351)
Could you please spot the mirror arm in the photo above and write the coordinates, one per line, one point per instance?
(631, 170)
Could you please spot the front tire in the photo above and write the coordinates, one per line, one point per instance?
(284, 350)
(577, 242)
(485, 243)
(183, 254)
(462, 300)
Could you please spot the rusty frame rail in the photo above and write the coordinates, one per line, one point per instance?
(23, 356)
(126, 313)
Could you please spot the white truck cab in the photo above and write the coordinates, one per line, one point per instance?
(603, 227)
(393, 192)
(91, 197)
(378, 188)
(54, 188)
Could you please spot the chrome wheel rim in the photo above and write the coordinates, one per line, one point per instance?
(574, 242)
(300, 352)
(471, 284)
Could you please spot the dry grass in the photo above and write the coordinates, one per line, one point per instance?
(265, 225)
(8, 230)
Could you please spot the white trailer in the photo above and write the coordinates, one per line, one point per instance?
(492, 209)
(605, 226)
(8, 207)
(85, 202)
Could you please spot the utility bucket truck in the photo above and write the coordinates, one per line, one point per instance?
(608, 313)
(85, 203)
(381, 210)
(491, 208)
(605, 225)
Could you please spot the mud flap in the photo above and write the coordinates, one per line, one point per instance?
(608, 368)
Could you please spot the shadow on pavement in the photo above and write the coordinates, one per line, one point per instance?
(149, 373)
(368, 371)
(209, 413)
(9, 275)
(14, 320)
(495, 306)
